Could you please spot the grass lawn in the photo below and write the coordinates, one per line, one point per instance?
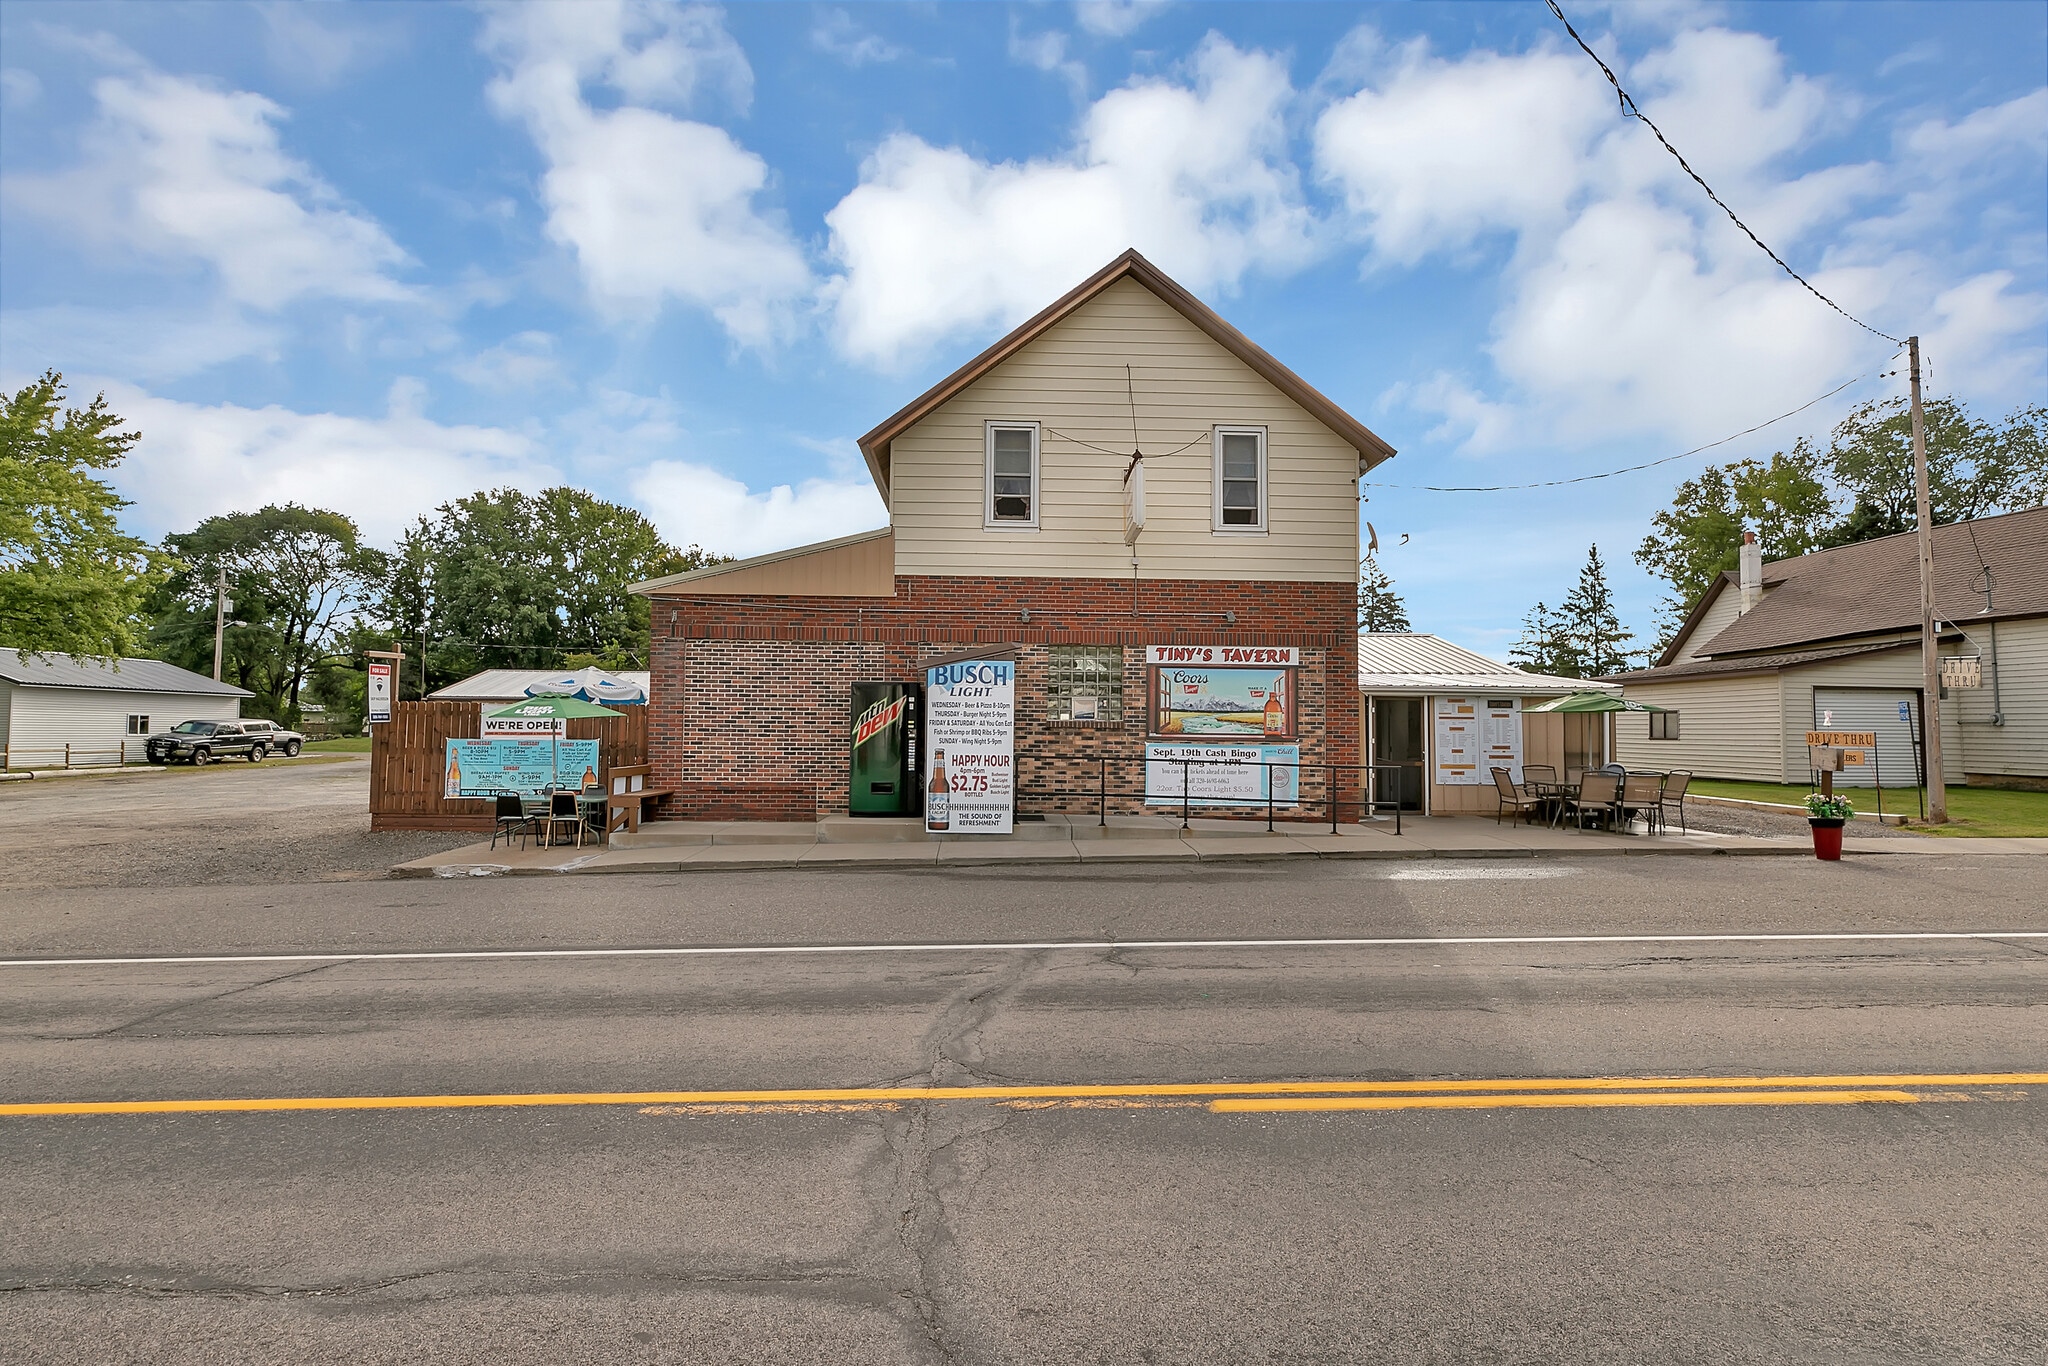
(1971, 810)
(347, 744)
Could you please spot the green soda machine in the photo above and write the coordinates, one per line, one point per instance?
(884, 750)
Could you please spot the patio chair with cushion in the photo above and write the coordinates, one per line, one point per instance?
(1675, 783)
(563, 810)
(512, 820)
(1642, 794)
(1599, 795)
(1512, 798)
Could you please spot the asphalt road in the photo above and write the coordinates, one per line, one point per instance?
(1529, 1218)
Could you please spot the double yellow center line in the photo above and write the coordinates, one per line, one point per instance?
(1217, 1097)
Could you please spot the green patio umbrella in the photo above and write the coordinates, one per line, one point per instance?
(1581, 702)
(551, 708)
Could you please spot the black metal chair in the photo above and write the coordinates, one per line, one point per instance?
(563, 810)
(512, 820)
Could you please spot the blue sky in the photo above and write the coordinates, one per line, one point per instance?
(375, 256)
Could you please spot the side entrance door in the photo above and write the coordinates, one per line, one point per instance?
(1397, 739)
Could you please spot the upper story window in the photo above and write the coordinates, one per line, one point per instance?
(1012, 476)
(1240, 493)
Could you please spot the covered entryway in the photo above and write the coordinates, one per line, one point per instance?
(1397, 738)
(1892, 713)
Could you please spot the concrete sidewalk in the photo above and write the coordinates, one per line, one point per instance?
(707, 846)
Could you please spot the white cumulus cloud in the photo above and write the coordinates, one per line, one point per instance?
(654, 206)
(198, 460)
(174, 169)
(694, 504)
(935, 241)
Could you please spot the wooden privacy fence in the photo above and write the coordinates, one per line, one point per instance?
(409, 758)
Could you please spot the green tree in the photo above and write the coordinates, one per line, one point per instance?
(71, 581)
(299, 577)
(507, 579)
(1598, 640)
(1379, 607)
(1545, 647)
(1698, 537)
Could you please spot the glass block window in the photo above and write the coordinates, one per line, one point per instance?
(1085, 683)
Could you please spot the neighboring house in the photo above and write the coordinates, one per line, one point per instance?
(1831, 641)
(1447, 716)
(1006, 486)
(510, 685)
(56, 712)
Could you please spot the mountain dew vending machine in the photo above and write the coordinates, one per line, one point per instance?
(884, 755)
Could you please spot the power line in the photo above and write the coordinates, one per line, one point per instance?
(1629, 108)
(1647, 465)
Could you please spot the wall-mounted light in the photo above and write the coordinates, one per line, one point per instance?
(1230, 618)
(1024, 615)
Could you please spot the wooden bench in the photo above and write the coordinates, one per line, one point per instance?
(629, 791)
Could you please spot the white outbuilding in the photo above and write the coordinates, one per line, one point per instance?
(58, 713)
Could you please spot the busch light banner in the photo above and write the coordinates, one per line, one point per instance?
(970, 721)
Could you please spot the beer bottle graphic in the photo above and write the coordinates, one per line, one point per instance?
(938, 795)
(589, 777)
(1276, 711)
(454, 773)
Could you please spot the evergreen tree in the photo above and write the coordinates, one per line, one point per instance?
(1599, 641)
(1379, 607)
(1545, 647)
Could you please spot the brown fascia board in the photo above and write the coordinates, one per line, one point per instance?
(874, 447)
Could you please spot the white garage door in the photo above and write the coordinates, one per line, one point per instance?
(1894, 713)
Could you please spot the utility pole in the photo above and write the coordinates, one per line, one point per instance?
(220, 615)
(1930, 653)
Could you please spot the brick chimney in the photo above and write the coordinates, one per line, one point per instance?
(1752, 571)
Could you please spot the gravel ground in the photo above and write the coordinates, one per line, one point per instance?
(282, 821)
(1738, 820)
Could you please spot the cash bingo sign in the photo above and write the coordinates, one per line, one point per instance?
(970, 783)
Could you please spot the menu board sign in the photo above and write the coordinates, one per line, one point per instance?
(1475, 735)
(970, 718)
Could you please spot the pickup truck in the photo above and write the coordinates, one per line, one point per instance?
(279, 739)
(201, 742)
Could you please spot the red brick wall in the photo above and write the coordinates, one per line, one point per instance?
(750, 694)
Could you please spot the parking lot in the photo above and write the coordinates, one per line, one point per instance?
(283, 821)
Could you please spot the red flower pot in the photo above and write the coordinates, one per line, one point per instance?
(1827, 838)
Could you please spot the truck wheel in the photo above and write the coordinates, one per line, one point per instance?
(201, 757)
(256, 754)
(291, 749)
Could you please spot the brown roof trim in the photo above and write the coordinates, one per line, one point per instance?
(1744, 666)
(1371, 449)
(1699, 609)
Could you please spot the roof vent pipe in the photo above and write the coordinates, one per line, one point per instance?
(1752, 571)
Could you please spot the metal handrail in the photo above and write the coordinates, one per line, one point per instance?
(1367, 804)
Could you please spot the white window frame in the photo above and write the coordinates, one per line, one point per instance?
(1216, 523)
(988, 478)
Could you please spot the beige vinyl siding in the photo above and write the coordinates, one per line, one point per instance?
(1071, 381)
(2020, 746)
(1720, 614)
(1727, 727)
(854, 567)
(1893, 669)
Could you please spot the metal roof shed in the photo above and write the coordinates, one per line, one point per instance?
(1425, 700)
(58, 712)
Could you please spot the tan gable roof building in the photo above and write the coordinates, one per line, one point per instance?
(1831, 640)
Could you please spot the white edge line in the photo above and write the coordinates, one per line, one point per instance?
(1025, 946)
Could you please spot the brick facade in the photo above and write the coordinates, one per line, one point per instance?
(749, 708)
